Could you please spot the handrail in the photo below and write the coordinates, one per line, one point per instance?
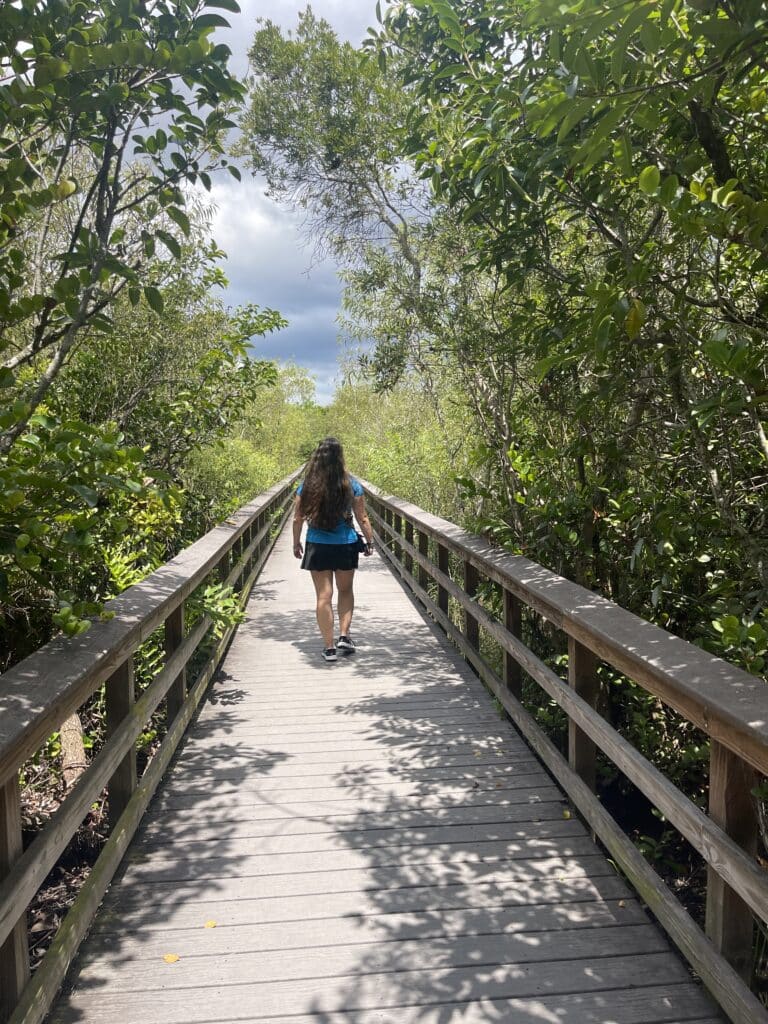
(728, 704)
(42, 690)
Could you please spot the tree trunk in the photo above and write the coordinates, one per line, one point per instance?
(73, 756)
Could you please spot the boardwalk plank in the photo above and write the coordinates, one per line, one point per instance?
(478, 770)
(336, 813)
(332, 958)
(368, 843)
(235, 936)
(263, 864)
(192, 829)
(569, 894)
(368, 991)
(530, 784)
(328, 841)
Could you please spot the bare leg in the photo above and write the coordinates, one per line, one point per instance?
(346, 601)
(324, 589)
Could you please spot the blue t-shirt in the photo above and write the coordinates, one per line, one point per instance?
(342, 534)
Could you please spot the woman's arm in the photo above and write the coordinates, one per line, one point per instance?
(298, 522)
(358, 507)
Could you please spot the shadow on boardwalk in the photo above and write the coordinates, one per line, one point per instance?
(375, 846)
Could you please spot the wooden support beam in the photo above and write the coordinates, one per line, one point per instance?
(397, 522)
(14, 958)
(582, 678)
(120, 695)
(174, 637)
(443, 566)
(513, 676)
(386, 515)
(409, 537)
(471, 627)
(423, 550)
(729, 921)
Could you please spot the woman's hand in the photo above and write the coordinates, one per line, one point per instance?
(298, 550)
(369, 550)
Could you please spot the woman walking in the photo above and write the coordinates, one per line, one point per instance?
(326, 500)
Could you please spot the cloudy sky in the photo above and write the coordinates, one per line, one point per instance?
(267, 261)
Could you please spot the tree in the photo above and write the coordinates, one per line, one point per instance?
(104, 111)
(321, 126)
(607, 158)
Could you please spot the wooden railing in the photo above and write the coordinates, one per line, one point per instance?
(39, 693)
(729, 705)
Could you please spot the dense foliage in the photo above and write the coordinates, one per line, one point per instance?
(115, 362)
(589, 275)
(564, 258)
(608, 162)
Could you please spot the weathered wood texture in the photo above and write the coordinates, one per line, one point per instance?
(114, 766)
(718, 697)
(37, 694)
(14, 960)
(365, 842)
(725, 840)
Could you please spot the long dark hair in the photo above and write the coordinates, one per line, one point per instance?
(326, 494)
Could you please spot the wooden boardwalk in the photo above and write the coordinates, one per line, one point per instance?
(365, 843)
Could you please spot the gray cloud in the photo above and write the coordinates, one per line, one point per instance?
(267, 261)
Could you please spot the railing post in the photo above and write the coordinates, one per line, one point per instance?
(119, 699)
(409, 537)
(248, 536)
(443, 566)
(398, 527)
(513, 676)
(14, 958)
(471, 628)
(729, 921)
(174, 637)
(423, 550)
(582, 676)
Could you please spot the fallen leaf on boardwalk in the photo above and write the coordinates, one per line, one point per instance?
(622, 904)
(566, 814)
(210, 924)
(171, 958)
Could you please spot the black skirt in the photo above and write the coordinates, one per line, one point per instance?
(322, 557)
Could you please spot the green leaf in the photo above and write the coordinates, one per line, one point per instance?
(669, 189)
(224, 5)
(649, 178)
(634, 319)
(27, 560)
(170, 243)
(180, 218)
(154, 298)
(207, 21)
(623, 151)
(89, 496)
(579, 109)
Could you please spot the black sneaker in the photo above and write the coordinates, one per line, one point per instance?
(329, 654)
(346, 643)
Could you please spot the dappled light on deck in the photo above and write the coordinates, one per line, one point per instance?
(368, 842)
